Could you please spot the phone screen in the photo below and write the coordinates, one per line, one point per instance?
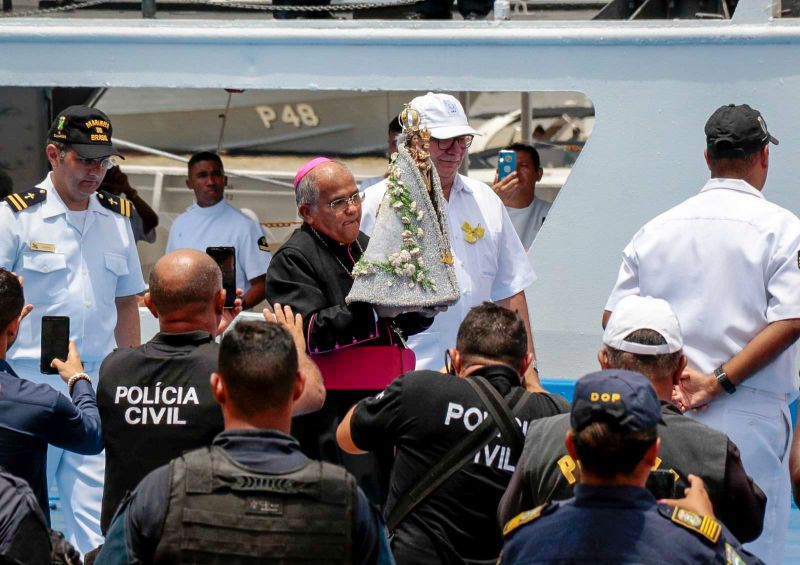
(55, 342)
(226, 259)
(661, 484)
(506, 163)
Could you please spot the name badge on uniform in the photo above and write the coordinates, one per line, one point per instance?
(45, 247)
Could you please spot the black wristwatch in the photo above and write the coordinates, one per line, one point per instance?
(724, 381)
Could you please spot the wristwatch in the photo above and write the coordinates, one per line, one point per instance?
(724, 381)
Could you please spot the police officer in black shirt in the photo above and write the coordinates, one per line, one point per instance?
(643, 334)
(157, 402)
(252, 496)
(425, 413)
(613, 517)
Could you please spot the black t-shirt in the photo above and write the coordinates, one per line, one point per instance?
(424, 414)
(155, 403)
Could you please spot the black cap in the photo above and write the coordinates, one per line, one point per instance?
(624, 397)
(735, 131)
(86, 130)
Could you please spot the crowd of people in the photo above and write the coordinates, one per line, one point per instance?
(338, 432)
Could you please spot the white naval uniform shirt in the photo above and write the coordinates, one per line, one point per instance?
(222, 225)
(528, 220)
(728, 261)
(493, 268)
(87, 269)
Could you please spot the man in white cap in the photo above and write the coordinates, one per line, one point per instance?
(490, 262)
(726, 259)
(644, 335)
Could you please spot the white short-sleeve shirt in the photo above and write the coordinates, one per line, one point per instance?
(728, 261)
(223, 225)
(73, 266)
(527, 221)
(493, 268)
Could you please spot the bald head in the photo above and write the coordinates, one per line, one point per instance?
(186, 279)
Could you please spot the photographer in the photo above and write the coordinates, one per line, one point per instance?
(425, 413)
(614, 435)
(34, 415)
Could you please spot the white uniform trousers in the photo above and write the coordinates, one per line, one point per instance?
(759, 423)
(79, 477)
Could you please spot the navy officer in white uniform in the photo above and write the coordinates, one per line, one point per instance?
(75, 249)
(728, 261)
(490, 262)
(212, 222)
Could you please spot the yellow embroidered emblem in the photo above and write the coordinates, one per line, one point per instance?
(472, 234)
(707, 527)
(20, 201)
(262, 243)
(522, 519)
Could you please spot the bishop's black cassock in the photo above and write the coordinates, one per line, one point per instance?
(305, 274)
(311, 273)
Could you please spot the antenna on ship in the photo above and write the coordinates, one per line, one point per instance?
(224, 116)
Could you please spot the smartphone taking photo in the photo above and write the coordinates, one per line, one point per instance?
(661, 484)
(55, 342)
(506, 163)
(225, 257)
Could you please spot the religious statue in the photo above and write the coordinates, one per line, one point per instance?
(408, 263)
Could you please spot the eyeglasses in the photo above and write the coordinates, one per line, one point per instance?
(105, 163)
(341, 204)
(447, 144)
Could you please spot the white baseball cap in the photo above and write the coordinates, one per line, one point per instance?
(443, 115)
(634, 313)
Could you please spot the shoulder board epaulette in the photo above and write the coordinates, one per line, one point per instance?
(732, 557)
(262, 243)
(21, 200)
(705, 526)
(527, 517)
(114, 203)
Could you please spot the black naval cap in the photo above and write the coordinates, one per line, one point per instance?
(86, 130)
(735, 131)
(624, 397)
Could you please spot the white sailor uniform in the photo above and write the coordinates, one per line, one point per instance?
(223, 225)
(728, 261)
(74, 264)
(490, 261)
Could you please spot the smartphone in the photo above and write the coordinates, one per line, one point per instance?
(661, 484)
(506, 163)
(226, 259)
(55, 342)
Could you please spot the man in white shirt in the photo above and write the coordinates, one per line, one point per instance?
(74, 246)
(212, 222)
(518, 193)
(490, 261)
(729, 263)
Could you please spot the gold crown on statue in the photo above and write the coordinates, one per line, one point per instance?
(411, 121)
(417, 139)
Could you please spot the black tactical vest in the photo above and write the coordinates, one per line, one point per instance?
(223, 512)
(687, 446)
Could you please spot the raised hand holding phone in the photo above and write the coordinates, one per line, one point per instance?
(55, 342)
(225, 256)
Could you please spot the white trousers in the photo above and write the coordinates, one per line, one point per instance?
(760, 425)
(79, 477)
